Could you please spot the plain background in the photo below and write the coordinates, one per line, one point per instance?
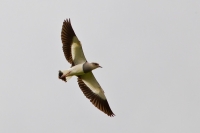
(149, 50)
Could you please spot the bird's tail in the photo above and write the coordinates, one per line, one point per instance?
(64, 78)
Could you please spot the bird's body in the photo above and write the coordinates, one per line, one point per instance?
(79, 69)
(73, 52)
(73, 71)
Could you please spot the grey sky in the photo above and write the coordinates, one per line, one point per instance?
(149, 51)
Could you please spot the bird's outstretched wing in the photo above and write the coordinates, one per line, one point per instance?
(71, 45)
(93, 91)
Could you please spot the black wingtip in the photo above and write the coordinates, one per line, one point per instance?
(67, 20)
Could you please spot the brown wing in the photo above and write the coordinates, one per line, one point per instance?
(71, 45)
(97, 99)
(67, 35)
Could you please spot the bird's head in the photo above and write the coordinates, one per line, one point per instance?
(88, 67)
(95, 65)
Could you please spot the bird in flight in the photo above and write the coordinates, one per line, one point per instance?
(73, 52)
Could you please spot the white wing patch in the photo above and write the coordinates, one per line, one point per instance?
(92, 83)
(77, 52)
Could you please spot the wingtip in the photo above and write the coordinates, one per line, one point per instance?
(67, 20)
(112, 115)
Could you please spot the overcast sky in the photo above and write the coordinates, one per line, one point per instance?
(149, 51)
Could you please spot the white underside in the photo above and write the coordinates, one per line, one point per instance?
(73, 71)
(77, 52)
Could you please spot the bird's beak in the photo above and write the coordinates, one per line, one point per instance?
(100, 66)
